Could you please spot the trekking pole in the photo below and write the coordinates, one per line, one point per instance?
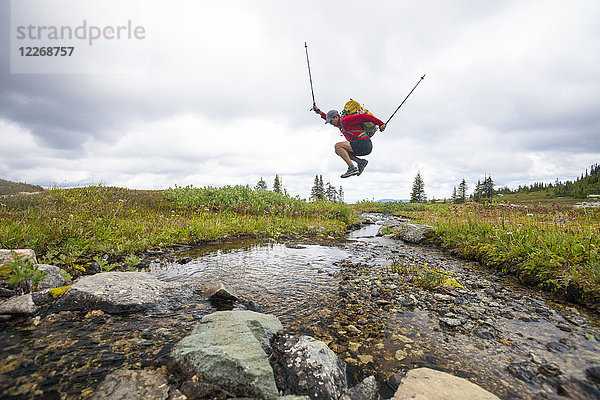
(423, 77)
(310, 76)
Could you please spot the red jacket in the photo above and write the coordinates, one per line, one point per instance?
(350, 125)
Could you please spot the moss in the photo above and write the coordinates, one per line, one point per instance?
(59, 291)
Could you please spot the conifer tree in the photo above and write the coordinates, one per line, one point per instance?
(462, 191)
(321, 188)
(477, 194)
(488, 188)
(314, 191)
(318, 191)
(418, 190)
(330, 193)
(277, 185)
(454, 197)
(261, 185)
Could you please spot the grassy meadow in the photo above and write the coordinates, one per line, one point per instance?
(547, 244)
(71, 227)
(544, 242)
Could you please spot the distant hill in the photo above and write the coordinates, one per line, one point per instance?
(390, 200)
(8, 187)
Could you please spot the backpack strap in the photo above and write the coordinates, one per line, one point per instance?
(361, 133)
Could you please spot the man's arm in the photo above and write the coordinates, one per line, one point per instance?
(321, 113)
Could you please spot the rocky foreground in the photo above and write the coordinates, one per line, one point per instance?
(377, 329)
(238, 353)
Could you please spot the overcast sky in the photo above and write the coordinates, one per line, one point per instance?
(217, 93)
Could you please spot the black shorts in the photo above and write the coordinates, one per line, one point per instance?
(361, 147)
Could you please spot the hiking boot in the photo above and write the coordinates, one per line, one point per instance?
(352, 170)
(361, 166)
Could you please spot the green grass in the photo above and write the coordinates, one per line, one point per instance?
(71, 227)
(552, 247)
(397, 208)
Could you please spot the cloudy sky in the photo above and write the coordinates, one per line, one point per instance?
(217, 93)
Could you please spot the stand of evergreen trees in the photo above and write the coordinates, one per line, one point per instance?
(588, 183)
(327, 192)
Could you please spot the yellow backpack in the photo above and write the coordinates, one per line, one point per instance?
(353, 107)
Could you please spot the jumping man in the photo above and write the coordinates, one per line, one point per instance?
(357, 142)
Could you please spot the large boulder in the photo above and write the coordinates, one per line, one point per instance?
(308, 367)
(426, 383)
(228, 353)
(114, 292)
(407, 232)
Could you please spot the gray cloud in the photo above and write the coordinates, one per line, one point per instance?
(509, 86)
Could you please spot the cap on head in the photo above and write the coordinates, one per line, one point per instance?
(330, 115)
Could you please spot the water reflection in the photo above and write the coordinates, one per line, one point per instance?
(285, 279)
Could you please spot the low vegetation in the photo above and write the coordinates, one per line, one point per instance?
(551, 247)
(74, 228)
(21, 275)
(547, 244)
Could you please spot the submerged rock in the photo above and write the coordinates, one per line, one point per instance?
(426, 383)
(132, 385)
(228, 353)
(366, 390)
(114, 292)
(217, 290)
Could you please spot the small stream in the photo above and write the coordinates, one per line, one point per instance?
(510, 340)
(285, 279)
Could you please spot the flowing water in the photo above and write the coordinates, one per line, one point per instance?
(331, 290)
(285, 279)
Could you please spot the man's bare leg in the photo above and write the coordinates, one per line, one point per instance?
(344, 150)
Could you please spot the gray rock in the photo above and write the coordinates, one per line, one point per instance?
(366, 390)
(130, 384)
(42, 298)
(228, 353)
(415, 233)
(426, 383)
(53, 278)
(19, 305)
(217, 290)
(443, 297)
(406, 231)
(6, 256)
(309, 367)
(114, 292)
(452, 322)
